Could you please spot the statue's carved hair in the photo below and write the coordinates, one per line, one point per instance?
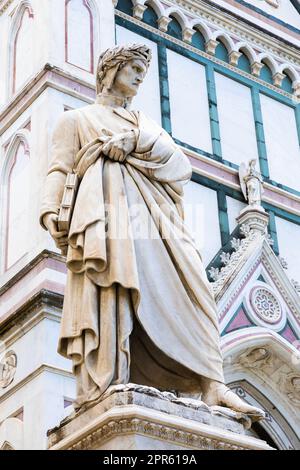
(113, 59)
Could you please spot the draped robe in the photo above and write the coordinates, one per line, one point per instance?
(137, 307)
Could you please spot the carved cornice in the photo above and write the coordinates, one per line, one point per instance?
(242, 29)
(208, 56)
(45, 254)
(50, 76)
(29, 309)
(135, 410)
(283, 284)
(31, 376)
(153, 430)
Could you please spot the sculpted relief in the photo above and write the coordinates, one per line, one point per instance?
(138, 307)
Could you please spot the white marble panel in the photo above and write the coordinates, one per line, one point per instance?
(237, 128)
(189, 102)
(148, 97)
(234, 208)
(80, 31)
(201, 216)
(288, 235)
(23, 65)
(18, 203)
(35, 348)
(42, 400)
(282, 142)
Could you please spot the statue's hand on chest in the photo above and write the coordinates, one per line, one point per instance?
(118, 146)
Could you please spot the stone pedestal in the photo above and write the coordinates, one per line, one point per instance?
(142, 418)
(255, 217)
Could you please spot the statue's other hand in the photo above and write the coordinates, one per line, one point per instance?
(120, 146)
(60, 238)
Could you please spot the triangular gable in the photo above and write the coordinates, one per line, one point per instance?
(253, 289)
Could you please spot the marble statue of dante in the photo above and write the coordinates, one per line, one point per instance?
(136, 309)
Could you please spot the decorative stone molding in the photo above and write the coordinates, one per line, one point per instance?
(296, 285)
(234, 57)
(290, 385)
(8, 366)
(253, 219)
(256, 358)
(241, 248)
(296, 87)
(225, 258)
(282, 283)
(283, 262)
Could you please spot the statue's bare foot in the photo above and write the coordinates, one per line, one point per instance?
(217, 393)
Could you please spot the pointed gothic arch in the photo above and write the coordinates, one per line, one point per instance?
(20, 41)
(15, 184)
(80, 34)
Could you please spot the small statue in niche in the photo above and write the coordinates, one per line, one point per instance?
(251, 183)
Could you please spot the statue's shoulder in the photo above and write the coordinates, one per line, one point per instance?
(70, 118)
(145, 120)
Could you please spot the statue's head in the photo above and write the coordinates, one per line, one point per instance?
(122, 69)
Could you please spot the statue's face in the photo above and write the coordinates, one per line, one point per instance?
(129, 78)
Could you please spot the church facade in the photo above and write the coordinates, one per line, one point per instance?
(225, 83)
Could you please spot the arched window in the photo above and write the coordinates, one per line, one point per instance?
(126, 6)
(174, 28)
(222, 52)
(16, 186)
(198, 40)
(244, 63)
(150, 17)
(79, 37)
(266, 73)
(287, 83)
(22, 42)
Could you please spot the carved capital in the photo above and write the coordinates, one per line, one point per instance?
(188, 34)
(138, 11)
(234, 57)
(210, 46)
(256, 68)
(163, 23)
(296, 88)
(277, 79)
(255, 218)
